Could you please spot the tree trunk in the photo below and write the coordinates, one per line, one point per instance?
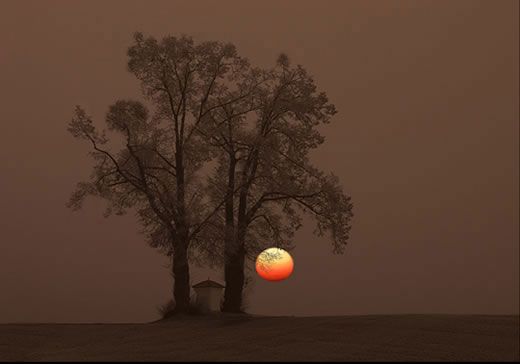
(181, 270)
(232, 265)
(235, 258)
(234, 274)
(181, 278)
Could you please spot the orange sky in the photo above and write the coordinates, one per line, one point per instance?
(425, 141)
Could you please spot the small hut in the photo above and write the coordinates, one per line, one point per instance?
(209, 295)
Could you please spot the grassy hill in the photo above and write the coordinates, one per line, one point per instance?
(234, 338)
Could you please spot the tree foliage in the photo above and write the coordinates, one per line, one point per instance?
(252, 128)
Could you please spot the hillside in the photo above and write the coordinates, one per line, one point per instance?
(403, 337)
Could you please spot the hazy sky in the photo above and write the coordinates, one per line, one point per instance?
(426, 143)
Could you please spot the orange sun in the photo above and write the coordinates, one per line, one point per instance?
(274, 264)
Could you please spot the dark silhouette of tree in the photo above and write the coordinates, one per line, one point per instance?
(263, 161)
(210, 106)
(157, 171)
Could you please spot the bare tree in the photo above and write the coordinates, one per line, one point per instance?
(209, 104)
(157, 170)
(264, 162)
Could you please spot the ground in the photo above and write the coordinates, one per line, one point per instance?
(242, 337)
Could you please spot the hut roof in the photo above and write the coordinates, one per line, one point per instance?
(208, 284)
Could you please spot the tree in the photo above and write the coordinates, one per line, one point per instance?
(263, 162)
(208, 105)
(157, 171)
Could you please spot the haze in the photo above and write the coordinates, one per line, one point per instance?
(425, 141)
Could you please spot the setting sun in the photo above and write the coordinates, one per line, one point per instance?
(274, 264)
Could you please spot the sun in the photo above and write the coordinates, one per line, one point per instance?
(274, 264)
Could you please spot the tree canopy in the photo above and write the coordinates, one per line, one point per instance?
(219, 160)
